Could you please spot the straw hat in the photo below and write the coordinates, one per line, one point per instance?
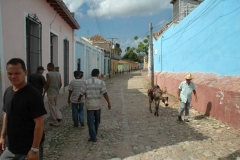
(189, 76)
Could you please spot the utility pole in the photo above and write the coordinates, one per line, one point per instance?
(110, 57)
(151, 55)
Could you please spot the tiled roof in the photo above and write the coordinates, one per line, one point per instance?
(158, 33)
(98, 38)
(87, 40)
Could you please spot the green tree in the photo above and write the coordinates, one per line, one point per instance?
(131, 55)
(143, 46)
(118, 45)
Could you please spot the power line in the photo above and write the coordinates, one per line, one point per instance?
(111, 15)
(96, 18)
(204, 29)
(164, 22)
(190, 22)
(200, 15)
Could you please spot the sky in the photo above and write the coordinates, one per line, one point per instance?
(120, 19)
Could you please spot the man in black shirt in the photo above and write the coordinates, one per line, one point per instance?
(37, 79)
(23, 119)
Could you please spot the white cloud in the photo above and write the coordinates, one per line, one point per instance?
(79, 14)
(126, 8)
(115, 8)
(74, 5)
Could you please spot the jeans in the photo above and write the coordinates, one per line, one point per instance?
(93, 121)
(186, 107)
(77, 113)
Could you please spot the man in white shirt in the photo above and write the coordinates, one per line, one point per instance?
(185, 90)
(74, 91)
(94, 88)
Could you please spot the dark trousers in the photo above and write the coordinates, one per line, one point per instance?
(93, 121)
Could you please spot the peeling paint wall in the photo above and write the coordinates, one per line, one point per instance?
(217, 101)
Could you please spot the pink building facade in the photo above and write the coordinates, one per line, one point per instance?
(39, 32)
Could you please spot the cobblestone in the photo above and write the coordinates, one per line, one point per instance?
(128, 131)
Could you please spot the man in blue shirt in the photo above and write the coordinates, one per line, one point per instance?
(185, 96)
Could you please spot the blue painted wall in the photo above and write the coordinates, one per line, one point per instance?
(207, 40)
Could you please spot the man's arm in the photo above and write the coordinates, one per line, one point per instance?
(105, 95)
(47, 83)
(3, 134)
(178, 94)
(60, 82)
(195, 94)
(38, 132)
(69, 95)
(79, 98)
(46, 86)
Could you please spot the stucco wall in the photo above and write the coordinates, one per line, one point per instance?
(91, 57)
(14, 27)
(205, 41)
(218, 96)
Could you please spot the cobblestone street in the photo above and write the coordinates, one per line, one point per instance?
(128, 131)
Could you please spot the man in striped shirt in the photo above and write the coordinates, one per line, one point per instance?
(94, 89)
(74, 91)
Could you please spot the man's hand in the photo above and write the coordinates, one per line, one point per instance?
(2, 145)
(109, 106)
(32, 155)
(69, 101)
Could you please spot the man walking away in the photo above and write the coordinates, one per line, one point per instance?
(74, 91)
(53, 84)
(37, 80)
(23, 120)
(94, 88)
(185, 90)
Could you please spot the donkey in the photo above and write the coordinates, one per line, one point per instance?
(156, 94)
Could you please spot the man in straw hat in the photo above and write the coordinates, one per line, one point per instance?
(185, 90)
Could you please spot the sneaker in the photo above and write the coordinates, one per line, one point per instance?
(92, 140)
(179, 119)
(82, 124)
(186, 120)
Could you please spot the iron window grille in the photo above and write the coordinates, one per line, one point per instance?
(33, 42)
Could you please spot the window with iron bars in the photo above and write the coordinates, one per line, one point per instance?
(33, 43)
